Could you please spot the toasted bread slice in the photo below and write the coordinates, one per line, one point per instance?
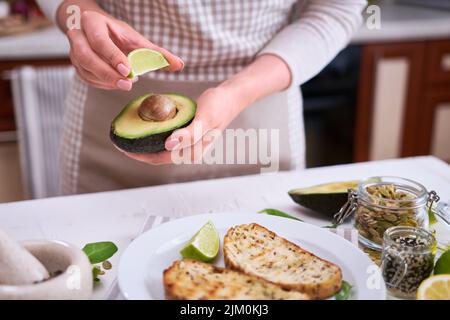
(194, 280)
(257, 251)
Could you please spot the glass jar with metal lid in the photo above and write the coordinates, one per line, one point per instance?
(407, 259)
(383, 202)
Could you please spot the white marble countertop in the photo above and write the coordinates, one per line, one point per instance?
(119, 216)
(47, 43)
(398, 23)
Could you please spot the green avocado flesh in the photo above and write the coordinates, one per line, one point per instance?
(325, 198)
(132, 134)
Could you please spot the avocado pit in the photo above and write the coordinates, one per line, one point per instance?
(157, 108)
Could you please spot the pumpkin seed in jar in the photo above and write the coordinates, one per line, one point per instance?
(390, 217)
(382, 213)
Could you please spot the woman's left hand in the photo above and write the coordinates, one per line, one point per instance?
(216, 108)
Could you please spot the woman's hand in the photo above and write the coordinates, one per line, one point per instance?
(98, 51)
(216, 108)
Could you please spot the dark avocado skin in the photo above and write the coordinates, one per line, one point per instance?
(325, 203)
(149, 144)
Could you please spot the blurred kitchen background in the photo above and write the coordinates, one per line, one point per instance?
(387, 95)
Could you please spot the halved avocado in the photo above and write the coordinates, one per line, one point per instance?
(325, 198)
(131, 133)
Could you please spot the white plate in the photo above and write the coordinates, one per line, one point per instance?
(142, 264)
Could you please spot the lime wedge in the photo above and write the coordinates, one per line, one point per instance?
(204, 245)
(145, 60)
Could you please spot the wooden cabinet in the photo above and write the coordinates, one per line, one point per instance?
(433, 130)
(7, 122)
(403, 100)
(437, 62)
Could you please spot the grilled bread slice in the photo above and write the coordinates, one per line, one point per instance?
(257, 251)
(194, 280)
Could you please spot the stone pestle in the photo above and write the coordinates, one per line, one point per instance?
(17, 265)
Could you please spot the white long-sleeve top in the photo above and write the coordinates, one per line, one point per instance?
(217, 38)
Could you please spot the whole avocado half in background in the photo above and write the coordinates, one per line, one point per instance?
(326, 198)
(132, 134)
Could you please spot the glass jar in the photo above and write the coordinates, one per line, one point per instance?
(407, 259)
(383, 202)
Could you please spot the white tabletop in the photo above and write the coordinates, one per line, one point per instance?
(118, 216)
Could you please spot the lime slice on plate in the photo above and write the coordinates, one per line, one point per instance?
(145, 60)
(204, 245)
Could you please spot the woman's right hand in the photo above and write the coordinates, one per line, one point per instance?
(99, 51)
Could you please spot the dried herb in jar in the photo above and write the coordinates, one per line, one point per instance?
(407, 259)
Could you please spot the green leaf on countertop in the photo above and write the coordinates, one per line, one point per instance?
(278, 213)
(98, 252)
(431, 216)
(331, 226)
(345, 292)
(442, 265)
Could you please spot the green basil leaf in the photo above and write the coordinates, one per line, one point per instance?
(345, 292)
(278, 213)
(98, 252)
